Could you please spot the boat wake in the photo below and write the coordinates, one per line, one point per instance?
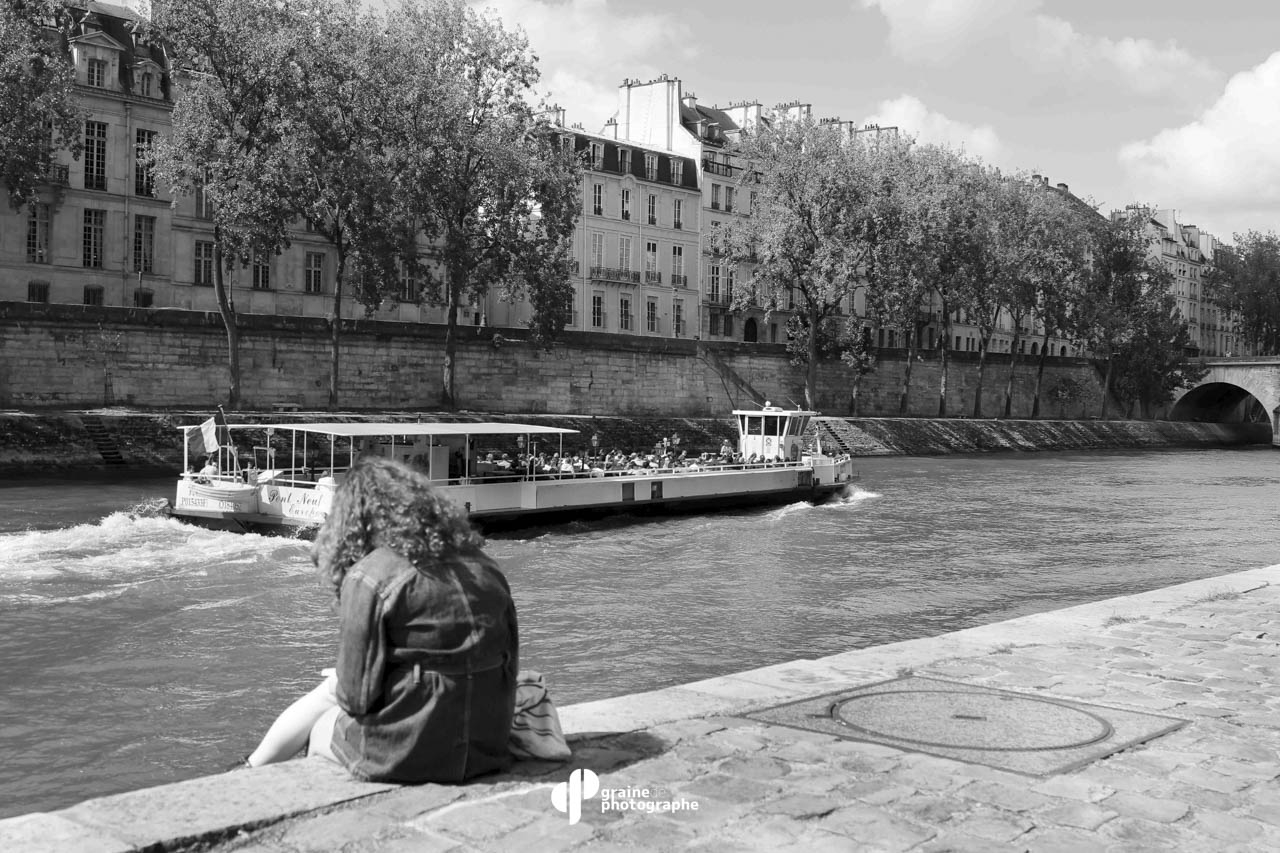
(852, 494)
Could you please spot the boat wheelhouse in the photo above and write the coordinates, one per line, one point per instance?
(271, 476)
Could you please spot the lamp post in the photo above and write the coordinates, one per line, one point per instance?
(595, 445)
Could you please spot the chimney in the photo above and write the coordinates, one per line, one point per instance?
(1062, 187)
(1035, 179)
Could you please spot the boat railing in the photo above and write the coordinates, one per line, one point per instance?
(517, 475)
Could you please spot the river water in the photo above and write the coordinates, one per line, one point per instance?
(137, 650)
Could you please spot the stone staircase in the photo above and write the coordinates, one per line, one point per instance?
(102, 440)
(732, 381)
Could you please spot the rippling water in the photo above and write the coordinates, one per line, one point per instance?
(137, 650)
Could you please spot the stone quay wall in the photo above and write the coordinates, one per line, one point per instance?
(65, 356)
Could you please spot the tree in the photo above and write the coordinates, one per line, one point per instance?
(1153, 363)
(819, 198)
(1123, 286)
(860, 356)
(493, 186)
(38, 111)
(240, 69)
(1058, 274)
(1244, 281)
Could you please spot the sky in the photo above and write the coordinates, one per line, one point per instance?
(1173, 104)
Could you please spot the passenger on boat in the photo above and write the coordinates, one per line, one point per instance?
(425, 684)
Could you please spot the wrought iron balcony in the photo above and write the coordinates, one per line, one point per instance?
(57, 174)
(678, 225)
(716, 168)
(614, 274)
(679, 280)
(652, 277)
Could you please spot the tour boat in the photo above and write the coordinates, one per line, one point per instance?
(288, 480)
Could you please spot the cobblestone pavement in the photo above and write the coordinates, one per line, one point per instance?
(1207, 653)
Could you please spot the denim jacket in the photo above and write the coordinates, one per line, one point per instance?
(427, 665)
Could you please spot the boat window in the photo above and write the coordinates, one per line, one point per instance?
(771, 424)
(754, 425)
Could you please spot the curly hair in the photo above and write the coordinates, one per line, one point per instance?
(385, 504)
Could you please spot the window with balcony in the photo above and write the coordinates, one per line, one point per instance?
(95, 155)
(651, 315)
(713, 283)
(144, 244)
(93, 294)
(653, 209)
(597, 249)
(677, 267)
(651, 166)
(677, 318)
(651, 274)
(96, 73)
(95, 226)
(730, 278)
(626, 203)
(624, 254)
(203, 263)
(677, 172)
(677, 213)
(624, 161)
(597, 155)
(37, 291)
(715, 196)
(597, 199)
(144, 181)
(38, 234)
(261, 271)
(314, 273)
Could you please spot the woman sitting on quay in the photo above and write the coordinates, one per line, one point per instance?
(428, 652)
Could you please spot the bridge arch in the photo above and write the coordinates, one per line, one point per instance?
(1234, 390)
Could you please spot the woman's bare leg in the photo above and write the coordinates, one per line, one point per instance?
(292, 729)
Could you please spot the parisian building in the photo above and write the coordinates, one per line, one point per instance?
(1187, 252)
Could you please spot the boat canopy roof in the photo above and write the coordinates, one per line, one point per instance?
(774, 410)
(359, 430)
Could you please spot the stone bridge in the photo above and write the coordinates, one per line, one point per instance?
(1234, 390)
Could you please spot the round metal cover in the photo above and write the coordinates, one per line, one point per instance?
(971, 720)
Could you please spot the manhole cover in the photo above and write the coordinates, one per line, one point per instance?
(982, 725)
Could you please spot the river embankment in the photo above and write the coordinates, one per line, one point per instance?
(97, 439)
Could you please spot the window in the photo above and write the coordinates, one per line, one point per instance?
(597, 155)
(95, 155)
(261, 271)
(597, 249)
(651, 263)
(314, 281)
(773, 333)
(624, 312)
(715, 196)
(624, 253)
(651, 315)
(144, 181)
(143, 298)
(144, 244)
(677, 265)
(38, 234)
(597, 310)
(92, 294)
(713, 283)
(96, 75)
(677, 172)
(728, 325)
(677, 317)
(653, 209)
(144, 86)
(730, 275)
(37, 291)
(203, 205)
(752, 203)
(677, 211)
(204, 263)
(597, 199)
(95, 224)
(651, 167)
(713, 323)
(409, 290)
(728, 199)
(626, 203)
(624, 160)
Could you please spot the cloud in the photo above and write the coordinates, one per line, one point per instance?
(587, 48)
(1226, 161)
(949, 31)
(913, 118)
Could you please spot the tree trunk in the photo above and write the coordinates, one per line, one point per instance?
(1106, 390)
(229, 322)
(853, 396)
(335, 330)
(450, 345)
(1013, 366)
(1044, 354)
(811, 375)
(906, 378)
(983, 342)
(942, 358)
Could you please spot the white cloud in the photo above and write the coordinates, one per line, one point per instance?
(1226, 162)
(587, 48)
(946, 31)
(913, 118)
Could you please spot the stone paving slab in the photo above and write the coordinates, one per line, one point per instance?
(694, 774)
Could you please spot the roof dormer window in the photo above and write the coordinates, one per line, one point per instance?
(144, 85)
(96, 75)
